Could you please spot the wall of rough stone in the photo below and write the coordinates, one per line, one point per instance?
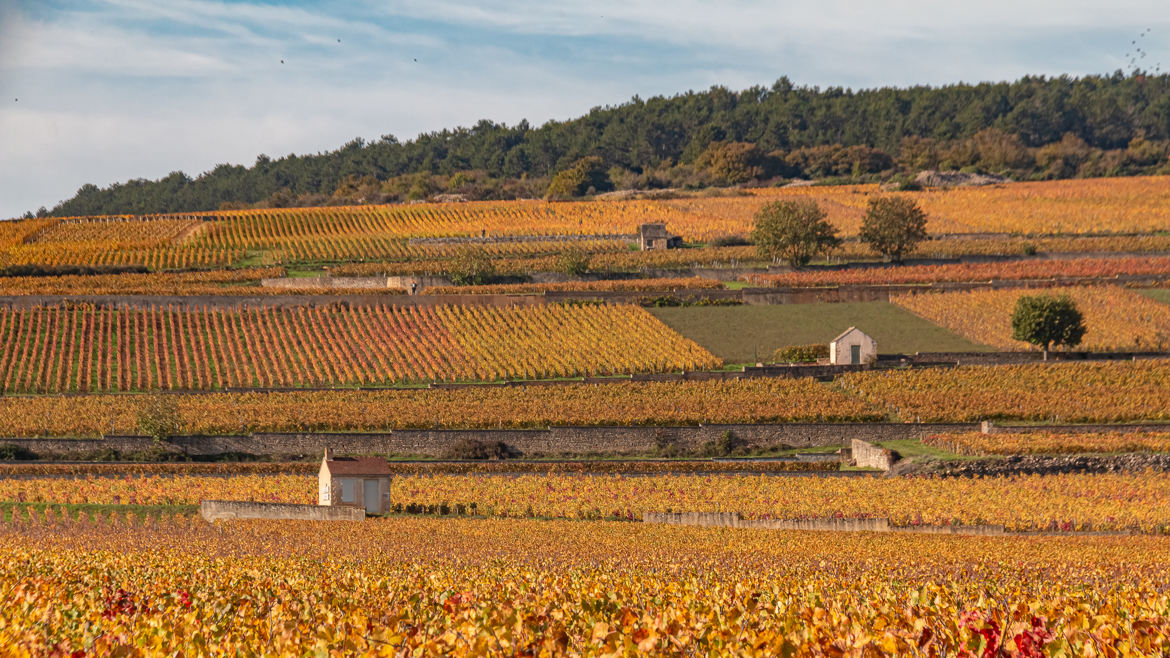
(844, 293)
(216, 510)
(867, 455)
(545, 441)
(733, 520)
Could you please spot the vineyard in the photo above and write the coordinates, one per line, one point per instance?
(457, 587)
(88, 348)
(1077, 268)
(1115, 318)
(1047, 443)
(384, 233)
(633, 403)
(1131, 502)
(1063, 392)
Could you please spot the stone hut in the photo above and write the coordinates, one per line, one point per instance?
(655, 236)
(853, 347)
(362, 482)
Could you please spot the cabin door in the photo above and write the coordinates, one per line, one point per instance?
(371, 497)
(854, 354)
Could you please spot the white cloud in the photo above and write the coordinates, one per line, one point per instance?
(138, 88)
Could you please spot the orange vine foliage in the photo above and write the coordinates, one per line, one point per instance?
(243, 281)
(556, 588)
(1115, 318)
(83, 348)
(1114, 501)
(1074, 268)
(220, 238)
(625, 403)
(1063, 392)
(1049, 443)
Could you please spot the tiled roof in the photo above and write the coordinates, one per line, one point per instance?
(358, 466)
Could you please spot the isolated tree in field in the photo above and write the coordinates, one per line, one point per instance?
(793, 230)
(1047, 320)
(893, 226)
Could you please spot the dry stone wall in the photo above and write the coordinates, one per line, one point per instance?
(217, 510)
(867, 455)
(545, 441)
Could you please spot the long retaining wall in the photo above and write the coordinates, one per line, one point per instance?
(751, 296)
(734, 520)
(545, 441)
(216, 510)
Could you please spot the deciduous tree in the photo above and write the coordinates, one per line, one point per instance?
(793, 230)
(893, 226)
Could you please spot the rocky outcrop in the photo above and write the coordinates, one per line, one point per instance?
(932, 178)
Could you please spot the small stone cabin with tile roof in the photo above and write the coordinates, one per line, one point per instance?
(852, 347)
(354, 482)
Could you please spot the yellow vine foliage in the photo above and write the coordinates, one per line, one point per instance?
(1061, 392)
(558, 588)
(624, 403)
(87, 348)
(1050, 443)
(283, 235)
(1115, 318)
(1137, 502)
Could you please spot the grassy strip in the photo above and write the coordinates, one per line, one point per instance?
(909, 448)
(749, 334)
(1157, 294)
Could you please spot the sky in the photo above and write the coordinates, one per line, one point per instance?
(103, 91)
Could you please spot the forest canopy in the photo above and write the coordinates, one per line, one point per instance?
(1033, 128)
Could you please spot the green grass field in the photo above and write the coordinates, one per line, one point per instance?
(747, 334)
(1157, 294)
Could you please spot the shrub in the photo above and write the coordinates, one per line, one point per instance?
(726, 445)
(730, 240)
(158, 417)
(477, 449)
(11, 452)
(801, 353)
(573, 262)
(471, 267)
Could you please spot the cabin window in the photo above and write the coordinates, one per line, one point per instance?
(347, 491)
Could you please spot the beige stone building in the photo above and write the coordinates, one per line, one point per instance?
(362, 482)
(852, 347)
(655, 236)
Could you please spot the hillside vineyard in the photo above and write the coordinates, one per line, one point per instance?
(88, 348)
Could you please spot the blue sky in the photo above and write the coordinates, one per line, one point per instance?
(107, 90)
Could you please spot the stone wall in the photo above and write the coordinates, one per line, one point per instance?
(545, 441)
(751, 296)
(216, 510)
(866, 455)
(734, 520)
(350, 282)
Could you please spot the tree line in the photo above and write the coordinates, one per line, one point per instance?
(1032, 128)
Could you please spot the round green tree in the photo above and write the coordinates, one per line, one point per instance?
(893, 226)
(794, 231)
(1047, 320)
